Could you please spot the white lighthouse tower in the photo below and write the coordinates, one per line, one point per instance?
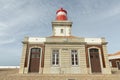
(61, 26)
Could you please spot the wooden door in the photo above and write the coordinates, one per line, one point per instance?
(34, 60)
(95, 60)
(118, 65)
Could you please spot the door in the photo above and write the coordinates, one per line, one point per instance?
(95, 60)
(34, 60)
(118, 65)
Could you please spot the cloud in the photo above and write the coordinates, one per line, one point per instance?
(3, 30)
(108, 9)
(6, 41)
(114, 11)
(3, 26)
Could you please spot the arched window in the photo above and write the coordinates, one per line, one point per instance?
(35, 52)
(93, 50)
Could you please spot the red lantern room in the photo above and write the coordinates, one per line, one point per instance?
(61, 14)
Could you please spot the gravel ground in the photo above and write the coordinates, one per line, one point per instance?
(12, 74)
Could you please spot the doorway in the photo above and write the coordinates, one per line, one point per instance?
(118, 65)
(34, 60)
(95, 60)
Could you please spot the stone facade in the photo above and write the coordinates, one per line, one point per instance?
(65, 45)
(65, 66)
(63, 53)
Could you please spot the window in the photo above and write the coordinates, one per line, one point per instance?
(74, 57)
(62, 30)
(110, 62)
(35, 50)
(55, 57)
(35, 53)
(93, 50)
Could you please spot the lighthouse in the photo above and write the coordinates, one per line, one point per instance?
(62, 53)
(61, 26)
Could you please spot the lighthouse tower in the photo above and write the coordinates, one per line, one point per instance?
(61, 26)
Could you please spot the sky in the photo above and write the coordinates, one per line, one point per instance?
(20, 18)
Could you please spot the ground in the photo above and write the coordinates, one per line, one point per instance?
(12, 74)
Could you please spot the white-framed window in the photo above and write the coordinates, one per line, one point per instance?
(55, 57)
(74, 57)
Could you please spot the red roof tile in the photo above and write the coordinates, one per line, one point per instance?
(114, 54)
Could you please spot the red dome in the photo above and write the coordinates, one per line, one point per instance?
(61, 14)
(62, 10)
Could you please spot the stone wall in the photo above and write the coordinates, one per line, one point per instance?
(107, 69)
(65, 66)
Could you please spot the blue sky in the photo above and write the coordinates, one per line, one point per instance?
(20, 18)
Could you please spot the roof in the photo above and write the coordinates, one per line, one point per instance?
(115, 54)
(63, 37)
(61, 9)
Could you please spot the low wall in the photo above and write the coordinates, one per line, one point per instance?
(11, 67)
